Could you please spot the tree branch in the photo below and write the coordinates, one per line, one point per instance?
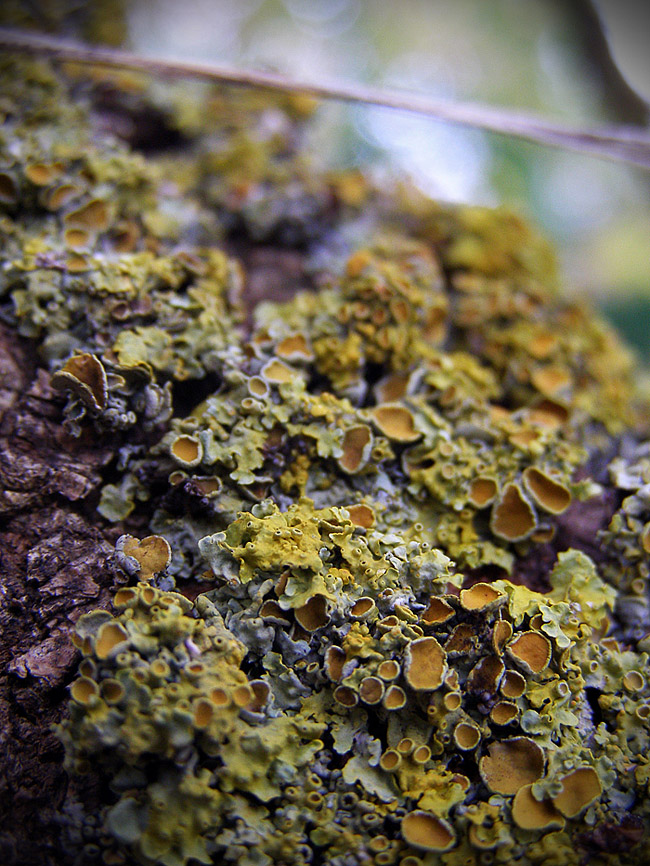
(629, 144)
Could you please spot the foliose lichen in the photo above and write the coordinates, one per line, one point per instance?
(456, 721)
(363, 628)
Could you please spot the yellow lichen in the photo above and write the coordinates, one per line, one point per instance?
(501, 634)
(467, 736)
(153, 555)
(438, 611)
(388, 670)
(112, 691)
(187, 450)
(357, 443)
(84, 690)
(361, 515)
(547, 493)
(396, 422)
(334, 661)
(313, 614)
(482, 491)
(373, 472)
(294, 347)
(277, 373)
(85, 374)
(371, 690)
(480, 596)
(362, 607)
(394, 698)
(504, 712)
(109, 636)
(511, 764)
(512, 516)
(94, 216)
(531, 814)
(531, 650)
(425, 664)
(426, 832)
(579, 788)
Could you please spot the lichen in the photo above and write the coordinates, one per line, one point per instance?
(365, 623)
(164, 690)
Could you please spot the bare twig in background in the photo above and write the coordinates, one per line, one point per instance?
(626, 143)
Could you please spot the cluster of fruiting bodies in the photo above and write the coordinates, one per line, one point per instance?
(357, 633)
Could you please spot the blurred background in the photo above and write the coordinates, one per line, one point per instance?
(584, 62)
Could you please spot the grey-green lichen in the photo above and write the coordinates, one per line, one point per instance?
(627, 539)
(399, 652)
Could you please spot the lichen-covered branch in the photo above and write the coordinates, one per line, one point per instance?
(326, 516)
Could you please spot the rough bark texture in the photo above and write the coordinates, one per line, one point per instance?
(45, 483)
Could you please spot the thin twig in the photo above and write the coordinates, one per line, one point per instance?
(624, 143)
